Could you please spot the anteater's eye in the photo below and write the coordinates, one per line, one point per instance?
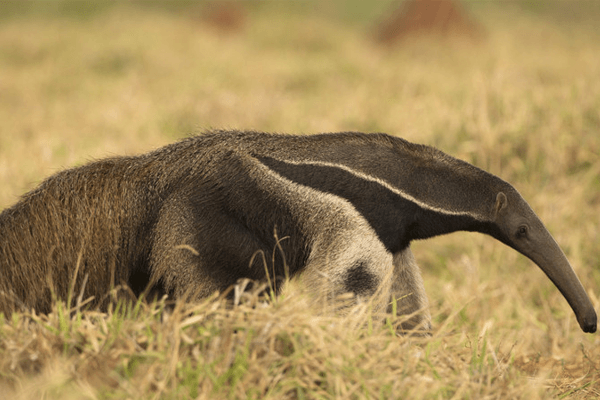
(522, 231)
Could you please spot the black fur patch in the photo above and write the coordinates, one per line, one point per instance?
(359, 280)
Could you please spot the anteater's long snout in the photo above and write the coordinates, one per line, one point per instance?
(556, 266)
(589, 322)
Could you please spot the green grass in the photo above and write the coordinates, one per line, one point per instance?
(80, 82)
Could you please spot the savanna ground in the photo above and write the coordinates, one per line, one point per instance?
(81, 80)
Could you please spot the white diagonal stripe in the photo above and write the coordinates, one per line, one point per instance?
(386, 185)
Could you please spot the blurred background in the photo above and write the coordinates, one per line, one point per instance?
(475, 78)
(511, 86)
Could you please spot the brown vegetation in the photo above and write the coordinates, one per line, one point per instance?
(225, 16)
(427, 17)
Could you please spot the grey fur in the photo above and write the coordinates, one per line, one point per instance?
(190, 219)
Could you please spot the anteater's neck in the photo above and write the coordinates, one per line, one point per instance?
(404, 191)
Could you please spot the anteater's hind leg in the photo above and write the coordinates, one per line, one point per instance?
(409, 292)
(198, 249)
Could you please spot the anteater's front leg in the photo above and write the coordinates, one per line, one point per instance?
(350, 266)
(408, 292)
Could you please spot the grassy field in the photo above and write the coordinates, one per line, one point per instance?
(81, 81)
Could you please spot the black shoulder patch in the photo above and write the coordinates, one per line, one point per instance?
(359, 280)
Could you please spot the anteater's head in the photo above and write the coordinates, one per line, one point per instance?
(516, 225)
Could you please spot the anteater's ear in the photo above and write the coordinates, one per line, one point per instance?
(501, 203)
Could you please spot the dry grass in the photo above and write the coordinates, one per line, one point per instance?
(80, 82)
(280, 350)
